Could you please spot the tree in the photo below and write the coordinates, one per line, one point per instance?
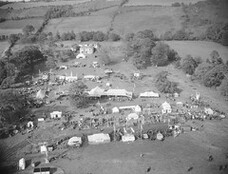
(162, 54)
(129, 37)
(224, 39)
(13, 38)
(28, 29)
(164, 85)
(224, 88)
(104, 57)
(215, 58)
(77, 94)
(3, 74)
(99, 36)
(26, 58)
(13, 105)
(189, 65)
(201, 70)
(113, 37)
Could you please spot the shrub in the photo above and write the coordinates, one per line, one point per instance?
(215, 58)
(113, 37)
(181, 35)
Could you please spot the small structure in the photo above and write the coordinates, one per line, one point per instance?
(115, 110)
(40, 95)
(95, 64)
(75, 141)
(166, 108)
(108, 71)
(56, 114)
(30, 125)
(91, 77)
(208, 111)
(128, 138)
(81, 56)
(43, 149)
(40, 119)
(137, 109)
(98, 138)
(42, 170)
(86, 49)
(71, 78)
(21, 164)
(63, 67)
(133, 116)
(176, 95)
(149, 95)
(159, 136)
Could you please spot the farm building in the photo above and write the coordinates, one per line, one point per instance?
(21, 164)
(166, 108)
(56, 114)
(119, 93)
(86, 49)
(98, 138)
(149, 95)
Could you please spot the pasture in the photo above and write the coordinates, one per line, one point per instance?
(158, 2)
(198, 48)
(133, 19)
(77, 24)
(22, 5)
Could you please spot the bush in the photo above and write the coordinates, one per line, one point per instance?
(164, 85)
(113, 37)
(181, 35)
(201, 70)
(215, 58)
(176, 4)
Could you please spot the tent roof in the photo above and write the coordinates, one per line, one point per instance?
(118, 92)
(149, 94)
(97, 91)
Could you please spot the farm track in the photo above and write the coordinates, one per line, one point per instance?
(9, 154)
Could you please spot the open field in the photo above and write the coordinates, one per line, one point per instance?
(133, 19)
(77, 24)
(21, 5)
(158, 2)
(198, 48)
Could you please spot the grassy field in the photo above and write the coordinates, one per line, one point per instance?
(77, 24)
(21, 5)
(133, 19)
(198, 48)
(158, 2)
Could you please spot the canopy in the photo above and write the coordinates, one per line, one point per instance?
(96, 92)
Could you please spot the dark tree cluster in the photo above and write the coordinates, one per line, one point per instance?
(189, 64)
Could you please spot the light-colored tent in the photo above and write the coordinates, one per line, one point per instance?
(119, 92)
(208, 111)
(137, 109)
(96, 92)
(149, 94)
(75, 141)
(30, 124)
(56, 114)
(133, 116)
(43, 149)
(115, 110)
(166, 108)
(40, 94)
(128, 138)
(22, 164)
(81, 56)
(98, 138)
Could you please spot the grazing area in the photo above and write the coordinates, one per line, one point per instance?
(158, 2)
(114, 86)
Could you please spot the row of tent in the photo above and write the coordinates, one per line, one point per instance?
(98, 92)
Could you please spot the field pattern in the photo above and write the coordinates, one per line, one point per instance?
(158, 2)
(133, 19)
(21, 5)
(77, 24)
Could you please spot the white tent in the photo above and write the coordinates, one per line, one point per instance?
(43, 149)
(166, 108)
(128, 138)
(96, 92)
(133, 116)
(22, 164)
(81, 56)
(119, 92)
(208, 111)
(40, 94)
(149, 94)
(98, 138)
(137, 109)
(56, 114)
(115, 110)
(75, 141)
